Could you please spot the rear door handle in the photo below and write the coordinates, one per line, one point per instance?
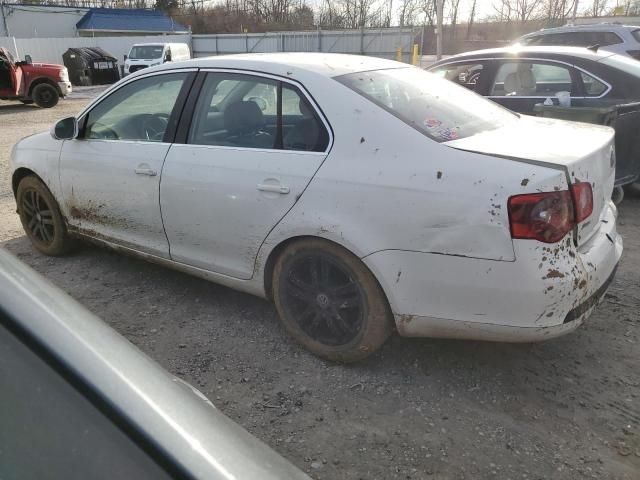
(146, 171)
(273, 188)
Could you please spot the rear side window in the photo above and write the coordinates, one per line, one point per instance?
(606, 38)
(575, 39)
(247, 111)
(592, 86)
(636, 34)
(531, 79)
(433, 106)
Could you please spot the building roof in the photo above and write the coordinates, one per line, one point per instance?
(129, 20)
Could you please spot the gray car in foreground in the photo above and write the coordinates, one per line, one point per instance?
(81, 402)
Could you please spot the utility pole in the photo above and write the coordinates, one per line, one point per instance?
(439, 13)
(4, 19)
(575, 11)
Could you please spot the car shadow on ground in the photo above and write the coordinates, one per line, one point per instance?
(11, 108)
(98, 277)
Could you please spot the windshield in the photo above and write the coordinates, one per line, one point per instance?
(436, 107)
(144, 52)
(626, 64)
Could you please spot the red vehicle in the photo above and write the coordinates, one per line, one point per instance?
(39, 83)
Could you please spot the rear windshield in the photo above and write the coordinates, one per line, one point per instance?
(626, 64)
(146, 52)
(438, 108)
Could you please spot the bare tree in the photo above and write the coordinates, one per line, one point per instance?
(521, 10)
(597, 8)
(408, 12)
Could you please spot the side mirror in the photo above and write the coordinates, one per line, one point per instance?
(125, 58)
(167, 57)
(27, 58)
(65, 129)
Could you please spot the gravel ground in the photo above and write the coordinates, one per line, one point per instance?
(420, 408)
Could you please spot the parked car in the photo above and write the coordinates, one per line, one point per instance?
(81, 402)
(28, 82)
(369, 196)
(523, 78)
(144, 55)
(611, 37)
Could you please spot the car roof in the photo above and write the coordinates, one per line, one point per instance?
(609, 27)
(517, 51)
(326, 64)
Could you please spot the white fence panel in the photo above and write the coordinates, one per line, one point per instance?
(374, 42)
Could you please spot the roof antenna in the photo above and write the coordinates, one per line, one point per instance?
(594, 48)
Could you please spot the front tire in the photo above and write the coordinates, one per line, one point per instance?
(330, 302)
(45, 95)
(41, 218)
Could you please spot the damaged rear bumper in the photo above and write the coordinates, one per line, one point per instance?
(548, 291)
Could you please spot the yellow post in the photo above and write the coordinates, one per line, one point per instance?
(399, 54)
(414, 59)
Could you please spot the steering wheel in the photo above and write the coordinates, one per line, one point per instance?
(154, 125)
(101, 131)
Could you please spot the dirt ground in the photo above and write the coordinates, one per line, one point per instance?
(420, 408)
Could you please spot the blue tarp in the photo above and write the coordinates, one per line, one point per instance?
(120, 20)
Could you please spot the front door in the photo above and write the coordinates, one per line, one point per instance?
(110, 175)
(10, 75)
(253, 146)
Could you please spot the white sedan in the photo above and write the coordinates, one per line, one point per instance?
(360, 195)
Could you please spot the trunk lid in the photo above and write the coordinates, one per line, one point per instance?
(585, 152)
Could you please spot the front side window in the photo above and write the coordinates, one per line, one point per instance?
(531, 79)
(465, 74)
(434, 106)
(246, 111)
(139, 110)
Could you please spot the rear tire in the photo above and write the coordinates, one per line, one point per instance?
(618, 195)
(633, 188)
(41, 218)
(330, 302)
(45, 95)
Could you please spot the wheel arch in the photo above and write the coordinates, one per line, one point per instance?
(21, 173)
(275, 252)
(40, 80)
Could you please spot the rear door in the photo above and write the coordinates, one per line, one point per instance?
(254, 143)
(521, 84)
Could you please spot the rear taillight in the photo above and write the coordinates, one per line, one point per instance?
(546, 216)
(634, 53)
(549, 216)
(582, 200)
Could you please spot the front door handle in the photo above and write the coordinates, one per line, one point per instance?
(146, 171)
(273, 188)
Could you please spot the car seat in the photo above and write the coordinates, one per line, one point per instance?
(522, 82)
(244, 123)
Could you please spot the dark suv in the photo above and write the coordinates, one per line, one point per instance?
(620, 39)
